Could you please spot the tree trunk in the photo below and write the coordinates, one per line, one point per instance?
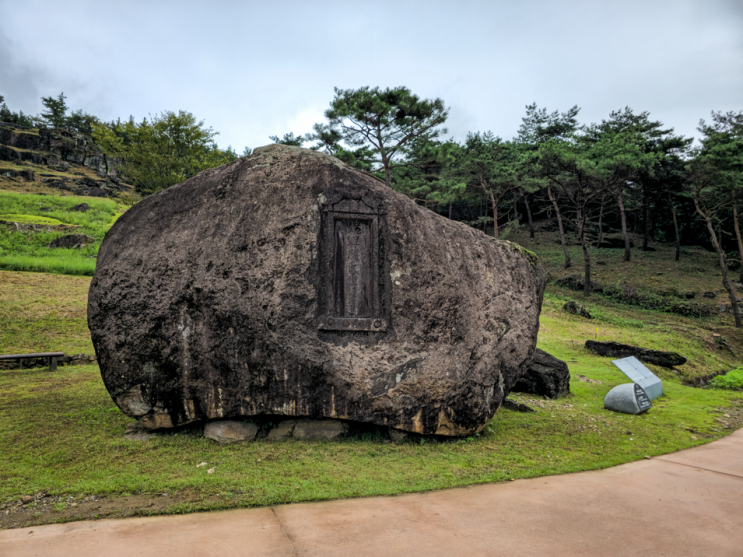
(449, 210)
(601, 226)
(387, 174)
(495, 215)
(620, 202)
(528, 214)
(646, 216)
(723, 266)
(559, 224)
(676, 227)
(586, 255)
(737, 237)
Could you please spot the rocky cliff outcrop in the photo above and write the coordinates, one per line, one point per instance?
(53, 159)
(46, 146)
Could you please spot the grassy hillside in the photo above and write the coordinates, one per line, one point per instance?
(29, 222)
(652, 279)
(65, 432)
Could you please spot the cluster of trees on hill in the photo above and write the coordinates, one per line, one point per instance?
(54, 116)
(628, 172)
(158, 152)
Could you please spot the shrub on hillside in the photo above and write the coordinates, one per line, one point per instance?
(732, 380)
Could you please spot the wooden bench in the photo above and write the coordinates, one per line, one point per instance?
(51, 355)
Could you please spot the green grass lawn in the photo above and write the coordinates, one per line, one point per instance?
(23, 248)
(61, 433)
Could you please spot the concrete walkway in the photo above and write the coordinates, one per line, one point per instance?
(687, 503)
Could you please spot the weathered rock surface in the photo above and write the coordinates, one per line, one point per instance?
(576, 309)
(290, 284)
(283, 430)
(319, 429)
(510, 404)
(618, 350)
(137, 432)
(229, 431)
(70, 241)
(546, 376)
(396, 435)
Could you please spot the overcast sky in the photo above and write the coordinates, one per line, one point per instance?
(252, 69)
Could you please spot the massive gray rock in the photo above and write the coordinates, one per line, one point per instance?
(290, 284)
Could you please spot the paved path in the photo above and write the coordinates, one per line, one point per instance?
(687, 503)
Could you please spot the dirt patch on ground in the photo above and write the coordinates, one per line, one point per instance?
(42, 508)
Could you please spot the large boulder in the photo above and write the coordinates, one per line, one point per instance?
(290, 284)
(547, 376)
(617, 350)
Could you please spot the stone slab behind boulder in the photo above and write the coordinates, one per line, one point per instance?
(290, 284)
(546, 376)
(618, 350)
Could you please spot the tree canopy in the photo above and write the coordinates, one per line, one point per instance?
(374, 128)
(162, 151)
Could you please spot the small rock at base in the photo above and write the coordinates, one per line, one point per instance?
(576, 309)
(283, 430)
(228, 431)
(509, 404)
(320, 429)
(135, 431)
(397, 436)
(546, 376)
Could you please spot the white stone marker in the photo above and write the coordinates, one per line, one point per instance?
(633, 368)
(629, 398)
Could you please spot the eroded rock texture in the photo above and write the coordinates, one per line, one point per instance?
(288, 283)
(546, 376)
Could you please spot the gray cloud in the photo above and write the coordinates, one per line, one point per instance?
(252, 70)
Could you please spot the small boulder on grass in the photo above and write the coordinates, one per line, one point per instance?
(283, 430)
(320, 429)
(546, 376)
(576, 309)
(229, 431)
(82, 207)
(70, 241)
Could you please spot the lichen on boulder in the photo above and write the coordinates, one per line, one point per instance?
(290, 284)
